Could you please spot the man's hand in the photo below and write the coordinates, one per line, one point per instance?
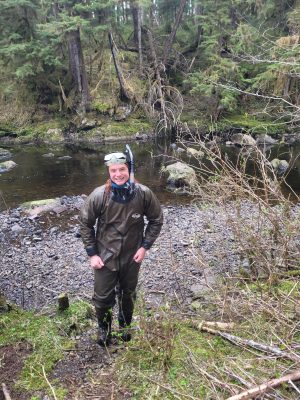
(96, 262)
(139, 255)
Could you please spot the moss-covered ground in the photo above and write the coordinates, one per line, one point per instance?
(169, 357)
(48, 337)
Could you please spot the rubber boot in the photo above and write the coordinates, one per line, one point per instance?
(104, 328)
(124, 329)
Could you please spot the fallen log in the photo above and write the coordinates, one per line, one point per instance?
(264, 387)
(248, 342)
(222, 326)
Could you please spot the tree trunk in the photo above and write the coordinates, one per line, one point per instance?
(124, 93)
(157, 67)
(170, 40)
(137, 32)
(77, 68)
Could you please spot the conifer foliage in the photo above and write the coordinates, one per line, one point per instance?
(57, 56)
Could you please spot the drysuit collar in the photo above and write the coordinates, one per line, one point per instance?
(122, 193)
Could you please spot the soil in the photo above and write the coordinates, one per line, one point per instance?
(11, 364)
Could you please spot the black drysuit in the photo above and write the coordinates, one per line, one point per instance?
(120, 232)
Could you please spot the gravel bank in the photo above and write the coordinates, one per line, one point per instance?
(42, 257)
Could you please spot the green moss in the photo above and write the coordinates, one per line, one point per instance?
(101, 107)
(48, 337)
(37, 203)
(114, 129)
(251, 124)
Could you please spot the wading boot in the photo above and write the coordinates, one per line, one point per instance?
(124, 330)
(104, 329)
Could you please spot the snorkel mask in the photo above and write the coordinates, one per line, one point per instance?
(124, 194)
(115, 158)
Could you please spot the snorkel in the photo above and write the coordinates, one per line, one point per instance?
(131, 159)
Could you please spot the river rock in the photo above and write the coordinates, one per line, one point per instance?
(193, 152)
(279, 166)
(64, 158)
(4, 153)
(180, 174)
(34, 208)
(7, 165)
(16, 228)
(291, 138)
(55, 133)
(265, 139)
(87, 124)
(141, 136)
(243, 140)
(122, 112)
(48, 155)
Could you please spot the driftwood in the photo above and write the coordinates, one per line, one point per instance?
(246, 342)
(264, 387)
(222, 326)
(5, 393)
(63, 302)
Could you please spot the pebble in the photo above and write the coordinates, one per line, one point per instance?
(50, 259)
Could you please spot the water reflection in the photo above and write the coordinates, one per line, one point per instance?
(37, 177)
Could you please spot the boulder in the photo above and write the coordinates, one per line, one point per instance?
(7, 166)
(48, 155)
(141, 136)
(87, 124)
(279, 166)
(291, 138)
(4, 153)
(36, 207)
(122, 112)
(193, 152)
(265, 139)
(56, 132)
(243, 140)
(180, 174)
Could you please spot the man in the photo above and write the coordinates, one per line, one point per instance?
(119, 244)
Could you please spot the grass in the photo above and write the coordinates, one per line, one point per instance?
(48, 337)
(172, 360)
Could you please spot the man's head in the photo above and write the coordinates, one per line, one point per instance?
(117, 167)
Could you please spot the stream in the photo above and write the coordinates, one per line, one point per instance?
(75, 169)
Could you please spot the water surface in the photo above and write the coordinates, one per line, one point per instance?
(38, 177)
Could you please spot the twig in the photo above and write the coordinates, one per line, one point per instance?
(264, 387)
(5, 392)
(294, 386)
(48, 383)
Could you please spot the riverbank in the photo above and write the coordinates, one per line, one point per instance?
(191, 273)
(45, 256)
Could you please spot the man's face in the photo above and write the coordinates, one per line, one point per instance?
(118, 173)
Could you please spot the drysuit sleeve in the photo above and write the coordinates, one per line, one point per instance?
(87, 219)
(154, 215)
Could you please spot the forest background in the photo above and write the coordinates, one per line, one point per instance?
(210, 64)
